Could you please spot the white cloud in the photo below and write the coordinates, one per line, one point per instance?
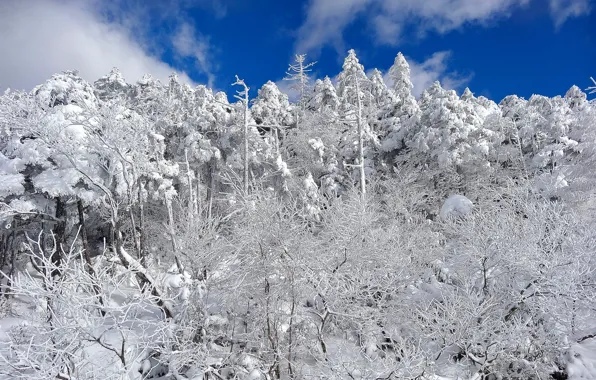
(386, 28)
(441, 15)
(188, 44)
(561, 10)
(42, 37)
(326, 19)
(434, 68)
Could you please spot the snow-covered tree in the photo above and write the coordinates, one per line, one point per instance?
(299, 73)
(112, 86)
(324, 96)
(353, 87)
(272, 112)
(382, 103)
(443, 128)
(398, 124)
(158, 231)
(381, 95)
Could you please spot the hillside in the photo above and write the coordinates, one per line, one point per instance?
(158, 231)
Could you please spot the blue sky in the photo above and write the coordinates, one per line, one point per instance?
(496, 47)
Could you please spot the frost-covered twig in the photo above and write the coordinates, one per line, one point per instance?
(592, 89)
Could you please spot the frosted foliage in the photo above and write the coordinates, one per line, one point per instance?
(446, 126)
(111, 86)
(324, 96)
(352, 71)
(543, 127)
(381, 95)
(64, 89)
(12, 184)
(311, 197)
(317, 146)
(351, 65)
(576, 98)
(271, 107)
(155, 230)
(513, 107)
(467, 94)
(399, 74)
(398, 123)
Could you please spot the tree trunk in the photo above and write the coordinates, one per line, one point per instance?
(360, 142)
(140, 272)
(87, 255)
(276, 136)
(135, 235)
(172, 233)
(198, 192)
(60, 236)
(191, 212)
(10, 247)
(246, 144)
(5, 239)
(210, 187)
(142, 250)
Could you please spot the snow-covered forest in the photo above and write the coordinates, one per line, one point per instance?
(158, 231)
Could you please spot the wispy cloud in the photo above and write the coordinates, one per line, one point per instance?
(435, 68)
(187, 43)
(42, 37)
(562, 10)
(326, 20)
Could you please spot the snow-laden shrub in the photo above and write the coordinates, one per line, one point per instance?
(456, 206)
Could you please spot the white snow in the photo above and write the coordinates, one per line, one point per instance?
(456, 206)
(11, 184)
(582, 360)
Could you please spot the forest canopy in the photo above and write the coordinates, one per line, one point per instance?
(157, 231)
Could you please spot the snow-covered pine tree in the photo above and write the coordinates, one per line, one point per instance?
(299, 74)
(324, 96)
(272, 112)
(353, 88)
(381, 104)
(399, 123)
